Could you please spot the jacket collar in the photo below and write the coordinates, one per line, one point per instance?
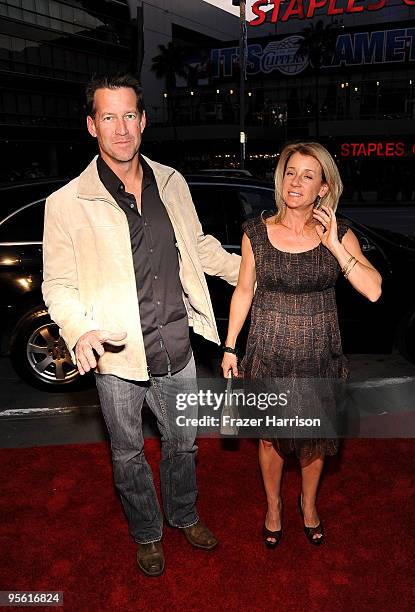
(90, 186)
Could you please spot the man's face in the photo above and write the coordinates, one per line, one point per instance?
(117, 124)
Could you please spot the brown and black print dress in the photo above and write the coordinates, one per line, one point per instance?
(294, 334)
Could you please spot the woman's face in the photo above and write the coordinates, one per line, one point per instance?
(302, 181)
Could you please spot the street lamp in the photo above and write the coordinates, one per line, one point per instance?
(137, 48)
(242, 70)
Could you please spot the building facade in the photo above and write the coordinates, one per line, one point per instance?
(48, 51)
(347, 80)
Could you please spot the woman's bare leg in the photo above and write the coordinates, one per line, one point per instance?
(271, 467)
(311, 473)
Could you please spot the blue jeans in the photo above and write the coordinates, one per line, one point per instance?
(121, 403)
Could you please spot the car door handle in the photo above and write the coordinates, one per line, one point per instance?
(366, 246)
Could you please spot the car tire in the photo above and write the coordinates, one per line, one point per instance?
(405, 337)
(39, 354)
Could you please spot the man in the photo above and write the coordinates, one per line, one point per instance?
(124, 264)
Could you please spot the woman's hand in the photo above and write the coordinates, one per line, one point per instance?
(229, 362)
(327, 227)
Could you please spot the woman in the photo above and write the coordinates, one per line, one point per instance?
(295, 256)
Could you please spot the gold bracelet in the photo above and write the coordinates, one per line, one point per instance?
(351, 268)
(346, 264)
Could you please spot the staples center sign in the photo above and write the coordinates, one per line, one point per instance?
(306, 9)
(376, 149)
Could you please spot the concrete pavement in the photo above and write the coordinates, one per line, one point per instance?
(384, 383)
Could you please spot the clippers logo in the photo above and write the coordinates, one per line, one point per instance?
(282, 55)
(278, 55)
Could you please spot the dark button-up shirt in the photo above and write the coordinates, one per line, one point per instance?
(163, 316)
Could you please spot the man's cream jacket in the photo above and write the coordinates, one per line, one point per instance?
(89, 281)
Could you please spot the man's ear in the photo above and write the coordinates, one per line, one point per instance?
(91, 126)
(143, 121)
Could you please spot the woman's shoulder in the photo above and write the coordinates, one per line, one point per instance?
(255, 225)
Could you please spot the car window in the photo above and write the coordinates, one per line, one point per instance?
(255, 200)
(246, 203)
(210, 209)
(24, 226)
(223, 208)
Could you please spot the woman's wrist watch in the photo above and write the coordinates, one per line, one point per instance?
(229, 349)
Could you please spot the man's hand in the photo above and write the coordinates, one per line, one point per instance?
(93, 341)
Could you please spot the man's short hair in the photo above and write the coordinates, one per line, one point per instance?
(112, 82)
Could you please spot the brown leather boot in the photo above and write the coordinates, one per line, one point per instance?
(200, 536)
(150, 558)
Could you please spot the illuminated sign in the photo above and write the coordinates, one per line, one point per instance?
(376, 149)
(381, 47)
(351, 49)
(306, 9)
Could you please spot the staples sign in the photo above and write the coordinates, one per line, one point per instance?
(376, 149)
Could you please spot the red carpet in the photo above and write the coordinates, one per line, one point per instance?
(62, 528)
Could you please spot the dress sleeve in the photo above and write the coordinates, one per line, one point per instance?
(342, 227)
(250, 228)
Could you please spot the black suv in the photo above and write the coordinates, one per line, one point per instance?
(40, 357)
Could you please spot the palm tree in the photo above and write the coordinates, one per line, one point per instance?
(192, 76)
(318, 44)
(168, 65)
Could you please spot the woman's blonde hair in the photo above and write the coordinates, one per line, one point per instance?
(329, 171)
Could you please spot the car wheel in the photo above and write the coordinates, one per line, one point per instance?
(405, 341)
(39, 354)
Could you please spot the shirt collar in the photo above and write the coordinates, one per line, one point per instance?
(109, 179)
(113, 184)
(148, 174)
